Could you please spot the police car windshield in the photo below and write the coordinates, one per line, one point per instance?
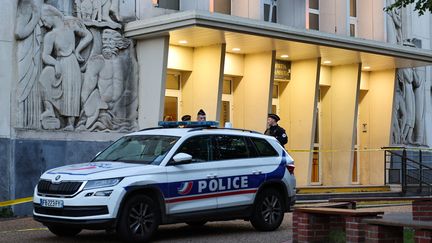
(142, 149)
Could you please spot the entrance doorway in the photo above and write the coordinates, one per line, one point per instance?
(316, 154)
(226, 114)
(172, 105)
(275, 99)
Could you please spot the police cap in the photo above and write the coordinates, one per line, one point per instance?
(274, 116)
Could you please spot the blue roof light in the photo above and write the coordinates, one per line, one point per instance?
(171, 124)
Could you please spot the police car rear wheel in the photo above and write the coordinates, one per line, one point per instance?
(268, 211)
(63, 231)
(139, 219)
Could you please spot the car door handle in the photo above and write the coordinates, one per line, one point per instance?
(211, 176)
(256, 172)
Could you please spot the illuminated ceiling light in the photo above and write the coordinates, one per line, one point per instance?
(366, 67)
(327, 62)
(284, 56)
(236, 49)
(183, 42)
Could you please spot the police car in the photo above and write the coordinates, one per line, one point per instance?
(194, 174)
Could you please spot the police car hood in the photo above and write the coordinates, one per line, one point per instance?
(98, 170)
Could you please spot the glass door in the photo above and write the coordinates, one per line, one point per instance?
(172, 107)
(226, 114)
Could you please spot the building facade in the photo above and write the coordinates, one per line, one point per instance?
(345, 77)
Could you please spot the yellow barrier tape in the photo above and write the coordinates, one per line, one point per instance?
(357, 150)
(16, 201)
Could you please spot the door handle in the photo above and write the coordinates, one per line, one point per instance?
(256, 172)
(211, 176)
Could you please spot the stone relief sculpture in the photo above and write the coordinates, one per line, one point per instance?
(84, 76)
(394, 25)
(407, 77)
(419, 85)
(99, 10)
(104, 85)
(29, 36)
(61, 56)
(409, 110)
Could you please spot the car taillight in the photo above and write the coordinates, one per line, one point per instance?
(290, 168)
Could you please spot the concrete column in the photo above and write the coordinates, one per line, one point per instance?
(297, 105)
(7, 80)
(380, 99)
(253, 93)
(8, 64)
(203, 88)
(338, 120)
(152, 59)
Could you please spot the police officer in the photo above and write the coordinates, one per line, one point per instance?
(186, 118)
(201, 115)
(275, 130)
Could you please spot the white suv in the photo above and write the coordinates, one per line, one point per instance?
(170, 175)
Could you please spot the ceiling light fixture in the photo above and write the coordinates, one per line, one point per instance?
(284, 56)
(183, 42)
(327, 62)
(236, 49)
(366, 67)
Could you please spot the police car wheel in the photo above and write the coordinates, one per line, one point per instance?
(268, 211)
(196, 223)
(139, 219)
(63, 231)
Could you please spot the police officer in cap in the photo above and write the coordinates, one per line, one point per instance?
(275, 130)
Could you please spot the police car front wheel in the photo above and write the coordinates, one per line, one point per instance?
(268, 210)
(139, 219)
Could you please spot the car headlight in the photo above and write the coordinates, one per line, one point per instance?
(102, 183)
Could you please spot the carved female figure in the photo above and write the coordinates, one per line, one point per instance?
(59, 52)
(28, 34)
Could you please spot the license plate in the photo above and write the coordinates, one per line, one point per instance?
(51, 203)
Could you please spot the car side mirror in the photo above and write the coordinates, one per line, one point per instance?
(182, 158)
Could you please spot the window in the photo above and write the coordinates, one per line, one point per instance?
(168, 4)
(231, 147)
(270, 11)
(172, 105)
(313, 17)
(353, 18)
(352, 30)
(227, 86)
(222, 6)
(264, 148)
(314, 4)
(313, 21)
(353, 8)
(198, 147)
(147, 149)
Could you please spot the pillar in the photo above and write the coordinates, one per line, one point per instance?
(152, 59)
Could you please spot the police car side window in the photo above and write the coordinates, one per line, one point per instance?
(264, 148)
(198, 147)
(231, 147)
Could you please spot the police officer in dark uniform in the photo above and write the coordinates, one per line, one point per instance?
(275, 130)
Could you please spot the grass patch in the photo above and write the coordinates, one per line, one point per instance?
(408, 235)
(6, 212)
(337, 236)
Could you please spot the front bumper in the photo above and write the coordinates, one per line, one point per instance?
(97, 224)
(71, 211)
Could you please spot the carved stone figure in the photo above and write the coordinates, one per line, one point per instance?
(98, 10)
(61, 78)
(105, 84)
(407, 78)
(419, 84)
(399, 115)
(394, 25)
(28, 34)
